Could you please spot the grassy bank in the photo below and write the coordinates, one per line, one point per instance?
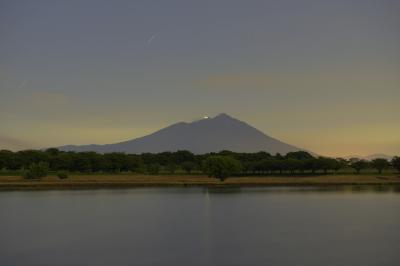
(126, 181)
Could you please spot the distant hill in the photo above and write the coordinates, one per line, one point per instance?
(378, 155)
(222, 132)
(371, 157)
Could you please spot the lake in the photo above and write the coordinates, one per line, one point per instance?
(199, 226)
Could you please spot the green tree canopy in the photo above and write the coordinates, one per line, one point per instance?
(188, 166)
(396, 163)
(37, 170)
(380, 164)
(221, 166)
(358, 165)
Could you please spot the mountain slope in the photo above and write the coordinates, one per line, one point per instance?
(371, 156)
(206, 135)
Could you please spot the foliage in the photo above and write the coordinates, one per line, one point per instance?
(37, 170)
(62, 174)
(188, 166)
(258, 163)
(153, 168)
(221, 166)
(380, 164)
(171, 168)
(358, 164)
(396, 163)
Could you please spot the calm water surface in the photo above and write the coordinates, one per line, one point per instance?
(275, 226)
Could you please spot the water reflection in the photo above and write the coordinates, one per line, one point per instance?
(313, 226)
(310, 189)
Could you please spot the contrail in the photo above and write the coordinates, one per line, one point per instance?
(151, 39)
(22, 84)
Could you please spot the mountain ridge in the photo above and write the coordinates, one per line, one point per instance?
(370, 157)
(221, 132)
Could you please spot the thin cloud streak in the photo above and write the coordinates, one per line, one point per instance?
(316, 80)
(49, 98)
(149, 41)
(11, 143)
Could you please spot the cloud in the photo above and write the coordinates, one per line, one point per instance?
(22, 84)
(306, 80)
(151, 39)
(49, 98)
(240, 80)
(10, 143)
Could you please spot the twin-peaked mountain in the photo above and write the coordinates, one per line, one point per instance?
(202, 136)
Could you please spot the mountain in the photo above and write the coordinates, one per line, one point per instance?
(222, 132)
(370, 157)
(378, 155)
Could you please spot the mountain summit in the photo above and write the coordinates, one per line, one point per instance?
(221, 132)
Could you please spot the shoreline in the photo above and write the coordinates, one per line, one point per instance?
(10, 183)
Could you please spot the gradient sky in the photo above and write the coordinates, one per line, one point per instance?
(322, 75)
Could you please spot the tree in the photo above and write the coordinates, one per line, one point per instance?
(117, 162)
(265, 165)
(134, 163)
(188, 166)
(153, 168)
(249, 167)
(358, 165)
(396, 163)
(278, 164)
(5, 158)
(339, 164)
(27, 157)
(10, 160)
(312, 164)
(62, 161)
(183, 156)
(380, 164)
(52, 151)
(82, 162)
(221, 167)
(171, 168)
(37, 170)
(62, 174)
(291, 165)
(303, 164)
(299, 155)
(326, 164)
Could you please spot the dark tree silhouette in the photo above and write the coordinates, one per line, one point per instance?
(380, 164)
(259, 163)
(37, 170)
(188, 166)
(396, 163)
(358, 165)
(221, 167)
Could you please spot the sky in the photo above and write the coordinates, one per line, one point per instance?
(322, 75)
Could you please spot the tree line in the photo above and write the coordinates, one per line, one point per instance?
(221, 164)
